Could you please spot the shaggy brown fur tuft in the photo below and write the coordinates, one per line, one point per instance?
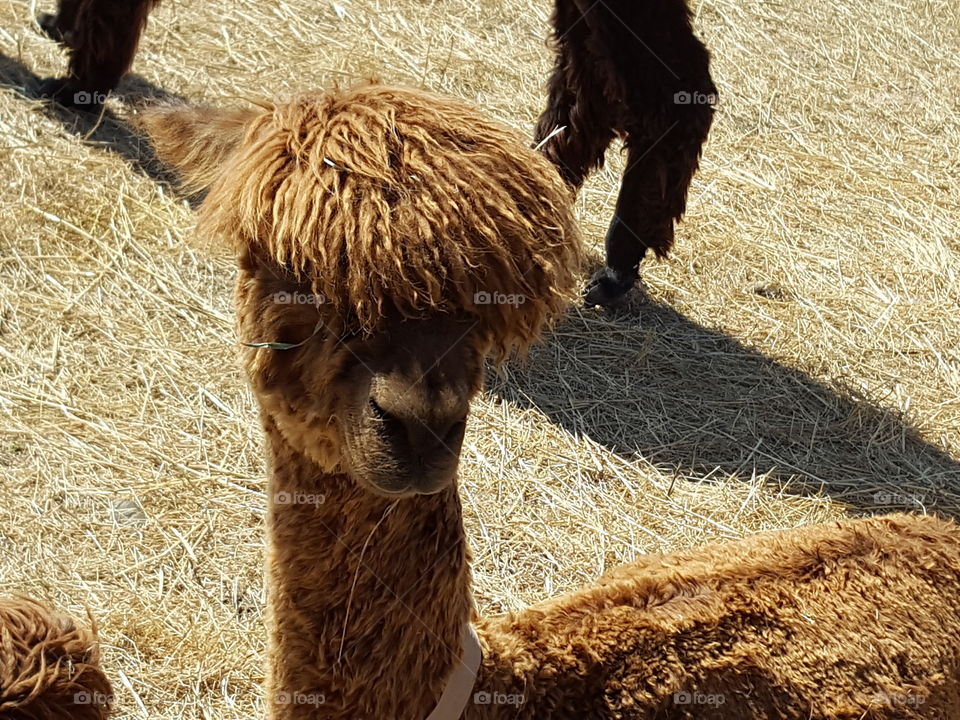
(854, 620)
(389, 202)
(49, 667)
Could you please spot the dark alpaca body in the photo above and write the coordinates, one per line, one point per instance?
(101, 37)
(620, 67)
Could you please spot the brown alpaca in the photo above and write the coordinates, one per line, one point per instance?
(397, 207)
(49, 667)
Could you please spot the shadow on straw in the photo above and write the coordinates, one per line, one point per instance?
(648, 382)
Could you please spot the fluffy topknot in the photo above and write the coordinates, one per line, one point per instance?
(389, 201)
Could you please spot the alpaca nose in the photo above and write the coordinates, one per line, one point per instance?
(426, 441)
(430, 442)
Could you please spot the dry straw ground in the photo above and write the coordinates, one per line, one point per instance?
(796, 360)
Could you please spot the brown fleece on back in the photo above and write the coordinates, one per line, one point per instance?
(856, 619)
(49, 667)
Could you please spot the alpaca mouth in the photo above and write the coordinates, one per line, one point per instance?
(389, 469)
(409, 478)
(401, 455)
(408, 492)
(389, 493)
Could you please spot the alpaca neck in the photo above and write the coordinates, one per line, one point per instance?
(368, 597)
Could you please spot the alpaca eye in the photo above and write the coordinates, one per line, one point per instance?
(379, 412)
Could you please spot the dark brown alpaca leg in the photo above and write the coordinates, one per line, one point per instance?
(653, 193)
(102, 37)
(631, 233)
(575, 101)
(637, 70)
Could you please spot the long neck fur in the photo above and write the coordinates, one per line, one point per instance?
(367, 596)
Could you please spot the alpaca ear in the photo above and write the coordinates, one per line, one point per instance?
(196, 141)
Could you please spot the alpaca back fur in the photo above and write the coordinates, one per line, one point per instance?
(854, 620)
(49, 667)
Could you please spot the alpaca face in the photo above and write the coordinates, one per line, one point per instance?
(351, 212)
(387, 408)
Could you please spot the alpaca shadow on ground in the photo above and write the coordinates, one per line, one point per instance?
(651, 383)
(101, 128)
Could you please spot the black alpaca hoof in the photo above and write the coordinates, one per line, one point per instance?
(56, 89)
(607, 287)
(48, 23)
(62, 92)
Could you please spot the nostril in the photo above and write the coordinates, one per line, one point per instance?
(455, 432)
(384, 416)
(389, 424)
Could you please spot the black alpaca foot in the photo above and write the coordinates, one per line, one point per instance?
(608, 286)
(62, 92)
(48, 23)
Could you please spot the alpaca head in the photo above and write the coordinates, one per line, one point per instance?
(388, 241)
(49, 667)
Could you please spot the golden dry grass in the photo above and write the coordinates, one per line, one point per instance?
(796, 360)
